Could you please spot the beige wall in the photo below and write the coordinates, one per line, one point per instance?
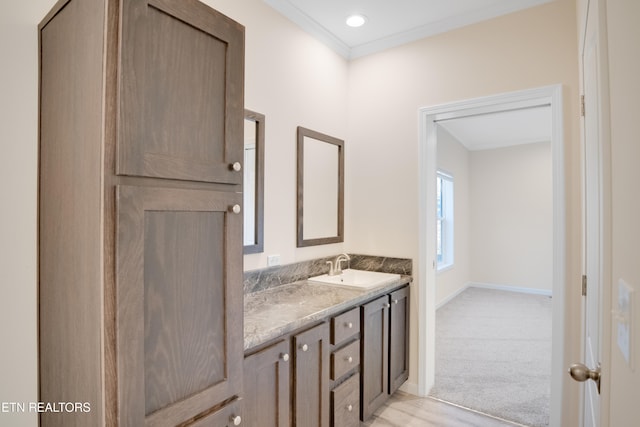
(512, 216)
(503, 216)
(624, 69)
(290, 77)
(453, 158)
(294, 80)
(533, 48)
(18, 170)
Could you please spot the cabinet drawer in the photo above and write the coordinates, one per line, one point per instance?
(345, 326)
(345, 359)
(227, 416)
(345, 403)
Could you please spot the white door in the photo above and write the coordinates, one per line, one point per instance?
(593, 220)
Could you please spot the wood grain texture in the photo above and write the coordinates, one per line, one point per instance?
(260, 121)
(311, 377)
(345, 359)
(69, 202)
(184, 312)
(374, 358)
(345, 326)
(181, 110)
(82, 346)
(222, 417)
(345, 403)
(339, 237)
(266, 387)
(109, 214)
(179, 339)
(398, 338)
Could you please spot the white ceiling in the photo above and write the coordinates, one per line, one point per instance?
(497, 130)
(389, 23)
(393, 23)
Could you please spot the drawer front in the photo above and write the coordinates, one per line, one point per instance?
(345, 359)
(227, 416)
(345, 326)
(345, 401)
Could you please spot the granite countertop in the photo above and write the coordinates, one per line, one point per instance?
(276, 311)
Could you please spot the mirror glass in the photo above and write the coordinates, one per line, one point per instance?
(320, 188)
(253, 192)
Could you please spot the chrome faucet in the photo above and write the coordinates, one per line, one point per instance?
(335, 267)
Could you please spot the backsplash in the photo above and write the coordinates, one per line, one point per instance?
(265, 278)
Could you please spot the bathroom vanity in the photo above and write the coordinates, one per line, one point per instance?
(320, 355)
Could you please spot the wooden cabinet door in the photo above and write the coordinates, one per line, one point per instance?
(374, 363)
(266, 387)
(398, 339)
(311, 377)
(179, 301)
(181, 105)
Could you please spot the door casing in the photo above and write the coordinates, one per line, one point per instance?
(428, 116)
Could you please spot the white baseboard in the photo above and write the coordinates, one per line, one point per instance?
(452, 296)
(511, 288)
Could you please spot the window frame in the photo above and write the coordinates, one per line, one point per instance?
(444, 220)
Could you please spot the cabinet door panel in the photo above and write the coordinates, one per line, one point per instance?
(398, 339)
(374, 358)
(179, 281)
(181, 98)
(266, 387)
(311, 377)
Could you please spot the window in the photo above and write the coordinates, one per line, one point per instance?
(444, 220)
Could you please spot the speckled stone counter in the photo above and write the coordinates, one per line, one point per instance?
(270, 277)
(279, 310)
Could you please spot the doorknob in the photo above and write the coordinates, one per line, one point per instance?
(580, 372)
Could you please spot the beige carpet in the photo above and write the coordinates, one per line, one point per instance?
(493, 354)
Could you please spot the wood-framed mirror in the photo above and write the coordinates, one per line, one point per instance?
(253, 192)
(320, 202)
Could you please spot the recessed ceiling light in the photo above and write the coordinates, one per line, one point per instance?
(356, 20)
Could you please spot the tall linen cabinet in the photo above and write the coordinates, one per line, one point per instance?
(140, 230)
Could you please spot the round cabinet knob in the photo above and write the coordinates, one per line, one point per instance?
(304, 347)
(395, 301)
(284, 357)
(236, 166)
(236, 209)
(350, 408)
(349, 325)
(349, 359)
(387, 305)
(235, 419)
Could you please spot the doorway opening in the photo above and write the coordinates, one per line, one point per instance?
(429, 117)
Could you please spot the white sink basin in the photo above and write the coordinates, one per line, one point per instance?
(357, 278)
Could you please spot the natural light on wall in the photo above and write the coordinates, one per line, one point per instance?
(444, 221)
